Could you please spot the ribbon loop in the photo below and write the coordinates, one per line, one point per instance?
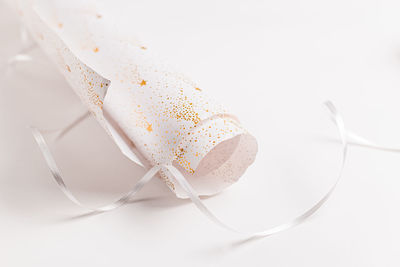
(189, 189)
(55, 171)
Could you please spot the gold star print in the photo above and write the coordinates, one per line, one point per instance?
(143, 82)
(149, 128)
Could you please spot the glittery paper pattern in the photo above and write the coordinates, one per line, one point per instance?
(169, 118)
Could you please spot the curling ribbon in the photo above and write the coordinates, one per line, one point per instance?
(189, 189)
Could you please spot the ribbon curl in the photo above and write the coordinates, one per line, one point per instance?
(55, 171)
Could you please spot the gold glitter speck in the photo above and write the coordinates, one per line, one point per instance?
(149, 127)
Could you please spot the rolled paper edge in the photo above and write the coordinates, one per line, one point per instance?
(221, 166)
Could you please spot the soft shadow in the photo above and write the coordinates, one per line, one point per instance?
(242, 242)
(94, 213)
(352, 143)
(219, 251)
(225, 248)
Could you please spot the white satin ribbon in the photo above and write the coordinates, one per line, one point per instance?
(55, 171)
(188, 188)
(21, 56)
(27, 45)
(354, 139)
(282, 227)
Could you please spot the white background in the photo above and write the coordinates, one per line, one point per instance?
(274, 63)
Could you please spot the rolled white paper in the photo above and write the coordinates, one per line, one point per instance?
(155, 114)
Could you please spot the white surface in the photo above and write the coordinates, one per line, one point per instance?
(276, 60)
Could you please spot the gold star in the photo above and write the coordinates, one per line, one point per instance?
(149, 128)
(143, 82)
